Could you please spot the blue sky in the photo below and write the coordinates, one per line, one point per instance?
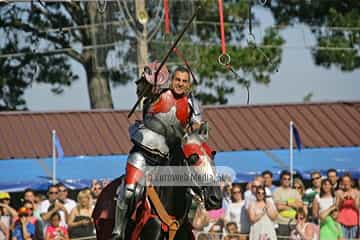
(297, 77)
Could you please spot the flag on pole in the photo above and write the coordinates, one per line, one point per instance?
(59, 149)
(297, 137)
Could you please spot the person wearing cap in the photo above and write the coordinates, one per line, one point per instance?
(7, 214)
(24, 228)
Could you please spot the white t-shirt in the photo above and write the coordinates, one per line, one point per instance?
(236, 212)
(69, 205)
(324, 202)
(44, 208)
(6, 220)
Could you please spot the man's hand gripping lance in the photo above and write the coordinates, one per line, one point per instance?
(148, 88)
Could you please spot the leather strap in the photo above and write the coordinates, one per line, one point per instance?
(173, 224)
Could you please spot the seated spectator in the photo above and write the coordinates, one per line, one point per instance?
(287, 200)
(236, 211)
(348, 203)
(304, 230)
(300, 187)
(324, 200)
(7, 215)
(232, 232)
(80, 221)
(330, 229)
(24, 229)
(54, 231)
(69, 204)
(262, 215)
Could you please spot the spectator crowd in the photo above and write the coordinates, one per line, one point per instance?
(53, 216)
(327, 210)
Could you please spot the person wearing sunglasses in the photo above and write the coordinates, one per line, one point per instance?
(299, 186)
(287, 200)
(31, 196)
(236, 212)
(7, 214)
(24, 228)
(261, 215)
(51, 205)
(348, 203)
(324, 200)
(304, 230)
(311, 192)
(69, 204)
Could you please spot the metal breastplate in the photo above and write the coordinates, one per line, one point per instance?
(168, 116)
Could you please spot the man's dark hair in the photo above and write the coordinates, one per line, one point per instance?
(52, 186)
(267, 172)
(60, 185)
(315, 172)
(331, 170)
(181, 69)
(284, 173)
(29, 190)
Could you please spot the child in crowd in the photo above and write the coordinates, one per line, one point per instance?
(24, 229)
(54, 231)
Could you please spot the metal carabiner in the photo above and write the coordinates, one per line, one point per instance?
(224, 59)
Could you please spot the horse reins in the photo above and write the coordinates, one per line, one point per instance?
(173, 224)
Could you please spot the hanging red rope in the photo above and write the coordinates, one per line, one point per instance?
(222, 30)
(166, 16)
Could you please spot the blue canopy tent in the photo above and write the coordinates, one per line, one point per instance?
(77, 172)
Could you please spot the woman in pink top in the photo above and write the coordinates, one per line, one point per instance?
(54, 231)
(348, 202)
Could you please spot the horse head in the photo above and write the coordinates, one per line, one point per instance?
(200, 158)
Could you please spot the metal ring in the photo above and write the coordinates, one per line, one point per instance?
(224, 59)
(263, 2)
(251, 38)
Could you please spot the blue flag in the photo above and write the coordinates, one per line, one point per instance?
(297, 137)
(59, 149)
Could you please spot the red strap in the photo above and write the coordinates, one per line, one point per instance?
(166, 16)
(222, 31)
(144, 217)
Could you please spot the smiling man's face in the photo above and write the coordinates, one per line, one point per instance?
(180, 82)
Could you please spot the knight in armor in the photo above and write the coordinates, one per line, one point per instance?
(168, 113)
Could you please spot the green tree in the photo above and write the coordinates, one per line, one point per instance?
(47, 55)
(335, 25)
(216, 82)
(51, 37)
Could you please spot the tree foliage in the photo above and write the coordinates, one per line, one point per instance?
(52, 40)
(335, 25)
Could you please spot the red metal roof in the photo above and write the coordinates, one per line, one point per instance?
(104, 132)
